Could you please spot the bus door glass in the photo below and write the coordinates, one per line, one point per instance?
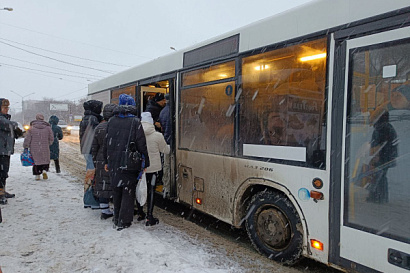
(375, 223)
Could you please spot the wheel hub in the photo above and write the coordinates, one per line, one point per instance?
(273, 228)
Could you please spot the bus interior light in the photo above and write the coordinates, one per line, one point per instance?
(316, 244)
(313, 57)
(198, 201)
(261, 67)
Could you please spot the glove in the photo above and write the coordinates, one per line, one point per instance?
(18, 132)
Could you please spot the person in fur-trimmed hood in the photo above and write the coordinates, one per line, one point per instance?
(124, 131)
(38, 139)
(92, 117)
(9, 131)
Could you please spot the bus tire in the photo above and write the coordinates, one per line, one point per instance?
(274, 227)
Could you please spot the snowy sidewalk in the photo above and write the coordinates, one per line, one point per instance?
(46, 229)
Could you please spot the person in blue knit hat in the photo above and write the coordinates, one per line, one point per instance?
(124, 133)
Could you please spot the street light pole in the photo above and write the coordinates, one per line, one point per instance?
(22, 102)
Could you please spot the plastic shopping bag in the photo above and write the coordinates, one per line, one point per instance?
(89, 199)
(26, 158)
(141, 191)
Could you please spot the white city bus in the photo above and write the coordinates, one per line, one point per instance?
(297, 128)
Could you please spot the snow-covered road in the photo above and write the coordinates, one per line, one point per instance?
(46, 229)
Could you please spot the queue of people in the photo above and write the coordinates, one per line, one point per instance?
(120, 132)
(104, 140)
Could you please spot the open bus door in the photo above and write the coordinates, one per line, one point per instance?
(146, 91)
(374, 229)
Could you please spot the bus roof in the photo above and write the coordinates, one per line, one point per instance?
(309, 18)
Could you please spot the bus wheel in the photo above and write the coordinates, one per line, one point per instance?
(274, 227)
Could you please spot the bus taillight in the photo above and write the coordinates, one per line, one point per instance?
(198, 201)
(316, 244)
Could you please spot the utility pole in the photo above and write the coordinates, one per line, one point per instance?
(22, 102)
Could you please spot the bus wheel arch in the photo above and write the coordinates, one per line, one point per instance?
(274, 227)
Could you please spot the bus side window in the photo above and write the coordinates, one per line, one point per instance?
(283, 99)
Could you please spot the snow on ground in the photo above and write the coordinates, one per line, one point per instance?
(46, 229)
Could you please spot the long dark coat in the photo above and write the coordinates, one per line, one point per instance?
(90, 120)
(102, 186)
(124, 127)
(118, 133)
(58, 135)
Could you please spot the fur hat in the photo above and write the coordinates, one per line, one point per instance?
(39, 117)
(126, 100)
(53, 120)
(4, 102)
(159, 97)
(108, 110)
(146, 117)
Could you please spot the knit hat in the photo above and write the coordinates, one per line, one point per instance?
(146, 117)
(404, 90)
(39, 117)
(109, 110)
(4, 102)
(126, 100)
(159, 97)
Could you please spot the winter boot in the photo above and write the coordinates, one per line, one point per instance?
(141, 216)
(151, 221)
(105, 216)
(37, 177)
(3, 199)
(3, 186)
(89, 176)
(9, 195)
(121, 226)
(57, 163)
(45, 176)
(139, 212)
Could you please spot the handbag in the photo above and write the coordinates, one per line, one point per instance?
(141, 190)
(26, 158)
(131, 159)
(89, 199)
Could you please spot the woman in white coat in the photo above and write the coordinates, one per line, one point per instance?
(156, 144)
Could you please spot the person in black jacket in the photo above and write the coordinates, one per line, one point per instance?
(9, 130)
(90, 120)
(154, 106)
(55, 147)
(102, 188)
(124, 131)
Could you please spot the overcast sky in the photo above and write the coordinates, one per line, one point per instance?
(56, 48)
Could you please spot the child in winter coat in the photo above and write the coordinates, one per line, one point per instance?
(156, 144)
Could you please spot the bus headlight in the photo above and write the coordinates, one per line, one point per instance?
(69, 128)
